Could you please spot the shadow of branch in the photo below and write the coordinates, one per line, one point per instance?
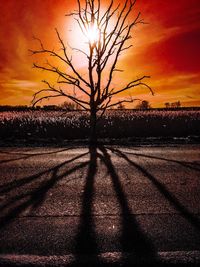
(33, 197)
(133, 239)
(162, 189)
(186, 164)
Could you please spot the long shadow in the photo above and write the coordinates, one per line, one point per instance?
(5, 188)
(162, 189)
(134, 243)
(34, 197)
(86, 242)
(86, 249)
(186, 164)
(35, 154)
(133, 240)
(24, 156)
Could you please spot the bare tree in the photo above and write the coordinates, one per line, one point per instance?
(176, 104)
(121, 106)
(69, 106)
(108, 33)
(143, 105)
(167, 105)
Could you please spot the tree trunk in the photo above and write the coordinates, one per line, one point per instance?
(93, 126)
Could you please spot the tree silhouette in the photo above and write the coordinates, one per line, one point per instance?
(143, 105)
(70, 106)
(167, 105)
(108, 34)
(176, 104)
(121, 106)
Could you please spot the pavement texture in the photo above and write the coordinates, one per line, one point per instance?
(109, 205)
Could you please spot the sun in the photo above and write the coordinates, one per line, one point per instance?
(93, 33)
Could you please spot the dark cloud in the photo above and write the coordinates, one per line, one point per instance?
(179, 53)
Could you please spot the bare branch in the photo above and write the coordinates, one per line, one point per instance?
(125, 38)
(69, 63)
(122, 101)
(104, 108)
(133, 84)
(51, 89)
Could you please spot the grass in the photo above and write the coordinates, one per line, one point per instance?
(115, 124)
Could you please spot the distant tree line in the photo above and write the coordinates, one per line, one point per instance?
(16, 108)
(176, 104)
(27, 108)
(141, 105)
(66, 106)
(71, 106)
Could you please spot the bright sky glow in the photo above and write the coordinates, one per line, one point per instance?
(167, 48)
(93, 34)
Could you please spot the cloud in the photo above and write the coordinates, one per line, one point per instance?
(167, 48)
(17, 92)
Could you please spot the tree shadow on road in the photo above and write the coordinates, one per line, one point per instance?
(86, 238)
(23, 156)
(33, 196)
(133, 241)
(187, 164)
(134, 244)
(184, 211)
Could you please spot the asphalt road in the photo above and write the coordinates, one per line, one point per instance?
(79, 201)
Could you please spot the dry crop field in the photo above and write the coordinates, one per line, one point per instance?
(114, 124)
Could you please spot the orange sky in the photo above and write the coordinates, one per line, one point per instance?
(167, 49)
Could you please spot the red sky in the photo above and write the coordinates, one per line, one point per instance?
(167, 48)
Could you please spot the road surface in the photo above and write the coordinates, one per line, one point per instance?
(141, 201)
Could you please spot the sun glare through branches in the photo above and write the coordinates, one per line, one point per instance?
(93, 33)
(105, 43)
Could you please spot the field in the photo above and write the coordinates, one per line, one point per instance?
(33, 125)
